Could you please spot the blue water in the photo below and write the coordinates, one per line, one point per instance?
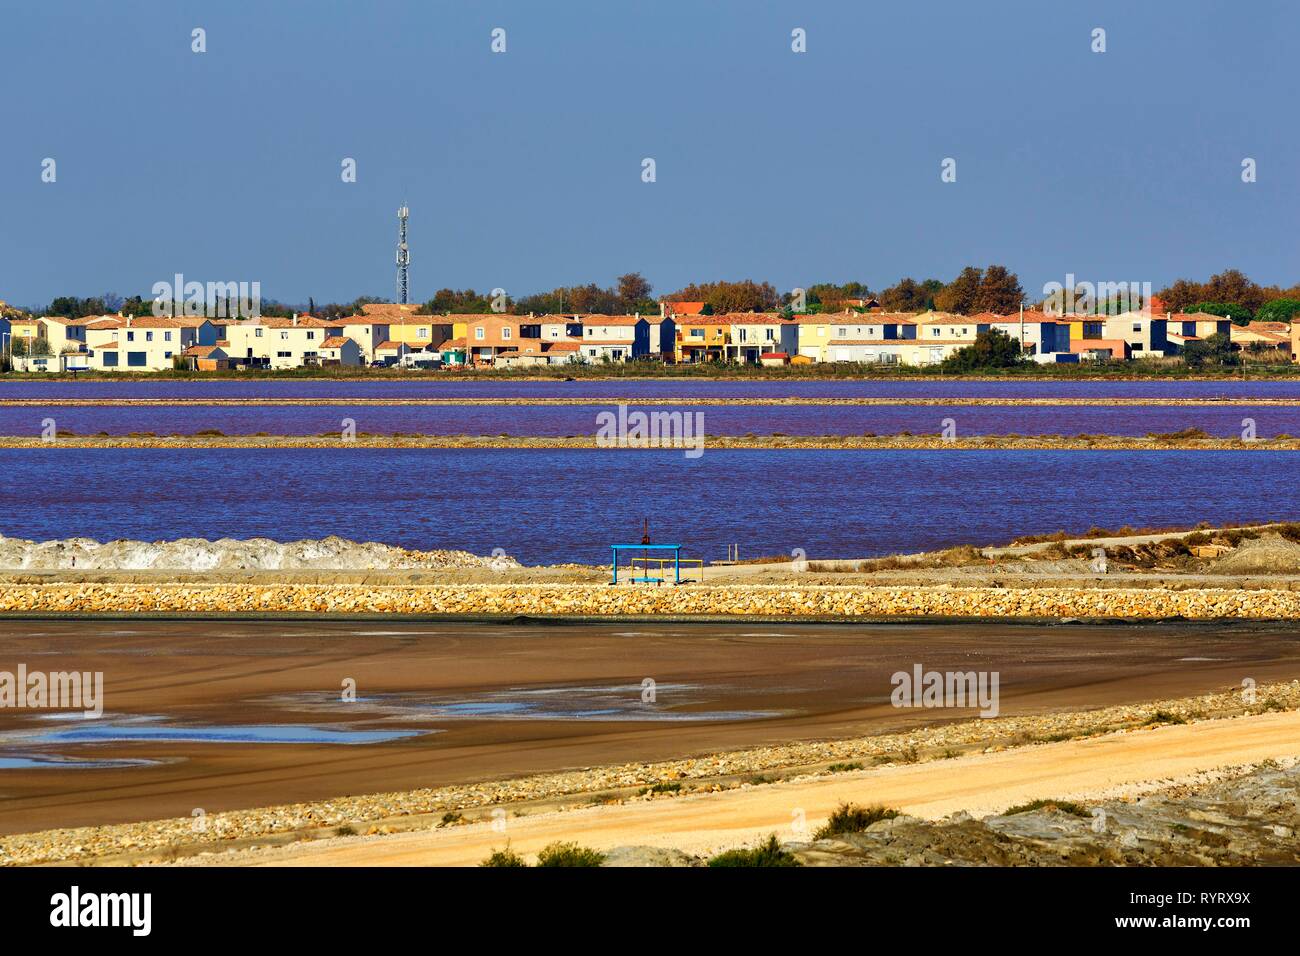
(550, 420)
(135, 729)
(544, 506)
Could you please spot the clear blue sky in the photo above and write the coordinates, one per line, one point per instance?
(523, 169)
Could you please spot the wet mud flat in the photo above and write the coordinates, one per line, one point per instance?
(212, 715)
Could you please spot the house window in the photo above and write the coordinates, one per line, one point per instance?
(744, 335)
(110, 360)
(1137, 326)
(167, 336)
(769, 335)
(311, 334)
(697, 333)
(422, 333)
(148, 336)
(284, 354)
(167, 355)
(505, 333)
(257, 333)
(478, 333)
(130, 336)
(284, 333)
(136, 359)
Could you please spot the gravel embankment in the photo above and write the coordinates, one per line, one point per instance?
(693, 600)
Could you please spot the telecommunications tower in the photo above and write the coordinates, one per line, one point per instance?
(403, 253)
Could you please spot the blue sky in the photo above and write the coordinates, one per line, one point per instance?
(523, 169)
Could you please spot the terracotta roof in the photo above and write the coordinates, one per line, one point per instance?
(683, 308)
(613, 319)
(454, 344)
(200, 351)
(389, 345)
(701, 320)
(164, 322)
(334, 342)
(562, 346)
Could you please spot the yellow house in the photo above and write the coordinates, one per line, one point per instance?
(702, 338)
(815, 332)
(419, 331)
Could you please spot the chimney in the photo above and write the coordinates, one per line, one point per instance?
(295, 319)
(128, 321)
(663, 310)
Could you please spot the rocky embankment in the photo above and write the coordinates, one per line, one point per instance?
(228, 554)
(1248, 819)
(830, 602)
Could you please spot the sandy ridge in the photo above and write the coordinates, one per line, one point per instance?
(711, 442)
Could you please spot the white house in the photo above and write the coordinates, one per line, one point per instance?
(754, 333)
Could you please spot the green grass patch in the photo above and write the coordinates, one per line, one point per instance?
(765, 854)
(852, 818)
(1060, 806)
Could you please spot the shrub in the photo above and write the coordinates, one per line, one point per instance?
(765, 854)
(851, 818)
(569, 854)
(346, 830)
(506, 857)
(841, 767)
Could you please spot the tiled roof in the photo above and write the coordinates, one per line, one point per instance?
(334, 342)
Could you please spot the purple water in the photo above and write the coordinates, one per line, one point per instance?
(552, 506)
(550, 420)
(641, 388)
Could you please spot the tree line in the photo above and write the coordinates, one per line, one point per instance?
(993, 288)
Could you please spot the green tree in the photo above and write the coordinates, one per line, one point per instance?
(1214, 349)
(1278, 310)
(1229, 310)
(910, 296)
(991, 349)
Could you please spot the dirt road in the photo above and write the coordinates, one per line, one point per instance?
(1107, 766)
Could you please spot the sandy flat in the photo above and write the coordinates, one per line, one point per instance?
(704, 823)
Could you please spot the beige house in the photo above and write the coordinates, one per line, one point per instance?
(270, 342)
(369, 333)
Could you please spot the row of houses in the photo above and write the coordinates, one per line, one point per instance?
(388, 334)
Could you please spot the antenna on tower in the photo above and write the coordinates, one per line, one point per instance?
(403, 253)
